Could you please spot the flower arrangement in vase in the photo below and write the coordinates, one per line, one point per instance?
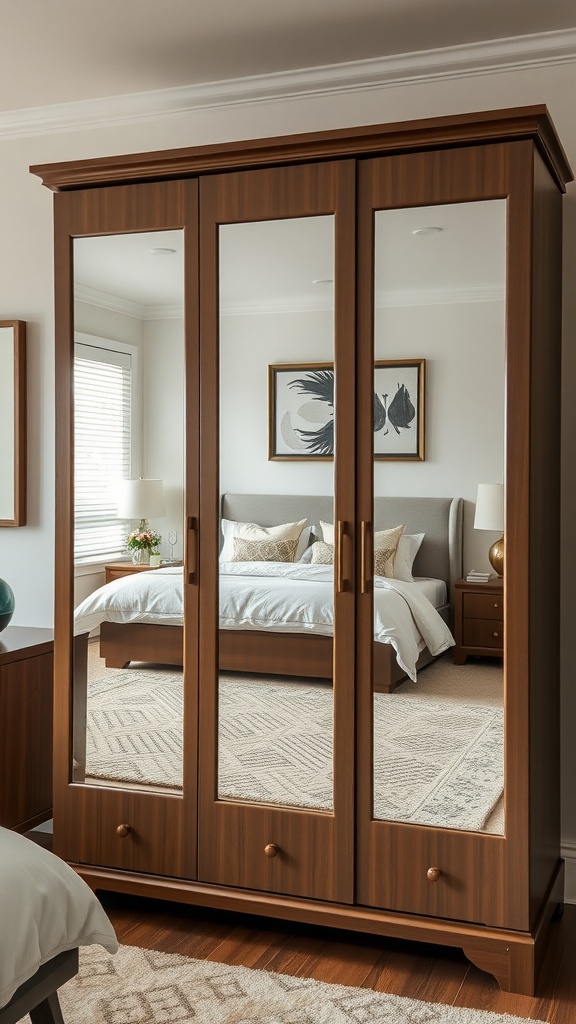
(142, 543)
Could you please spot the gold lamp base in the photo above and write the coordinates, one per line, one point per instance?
(496, 556)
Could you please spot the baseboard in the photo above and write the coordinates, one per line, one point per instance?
(569, 855)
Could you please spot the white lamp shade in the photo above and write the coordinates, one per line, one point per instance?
(490, 507)
(141, 499)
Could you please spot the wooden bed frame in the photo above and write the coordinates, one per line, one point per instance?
(254, 651)
(307, 655)
(39, 996)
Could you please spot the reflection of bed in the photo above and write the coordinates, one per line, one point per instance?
(47, 912)
(301, 653)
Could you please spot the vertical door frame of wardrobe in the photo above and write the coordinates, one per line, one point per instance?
(315, 857)
(159, 832)
(501, 864)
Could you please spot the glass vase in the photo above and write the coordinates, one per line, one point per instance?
(140, 556)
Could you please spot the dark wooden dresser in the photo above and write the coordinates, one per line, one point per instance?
(26, 669)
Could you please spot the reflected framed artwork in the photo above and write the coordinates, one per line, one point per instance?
(301, 410)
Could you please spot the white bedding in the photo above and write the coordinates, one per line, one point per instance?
(279, 596)
(45, 909)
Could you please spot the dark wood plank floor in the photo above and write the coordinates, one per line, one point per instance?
(420, 972)
(432, 973)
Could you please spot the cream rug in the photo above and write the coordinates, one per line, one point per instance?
(435, 762)
(138, 986)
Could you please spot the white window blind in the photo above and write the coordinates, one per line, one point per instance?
(102, 446)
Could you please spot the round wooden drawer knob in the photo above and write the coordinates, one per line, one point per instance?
(123, 831)
(270, 850)
(433, 874)
(495, 633)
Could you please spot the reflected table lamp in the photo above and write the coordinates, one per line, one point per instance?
(490, 516)
(142, 500)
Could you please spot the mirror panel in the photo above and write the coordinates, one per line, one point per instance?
(129, 426)
(275, 713)
(12, 423)
(439, 374)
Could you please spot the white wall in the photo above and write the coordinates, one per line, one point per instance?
(463, 345)
(26, 290)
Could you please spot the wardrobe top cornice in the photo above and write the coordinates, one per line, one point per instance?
(531, 122)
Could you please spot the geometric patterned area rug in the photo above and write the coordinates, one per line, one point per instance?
(436, 762)
(138, 986)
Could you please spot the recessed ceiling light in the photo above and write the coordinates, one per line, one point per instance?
(427, 231)
(162, 252)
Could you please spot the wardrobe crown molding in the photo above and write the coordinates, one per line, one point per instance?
(476, 128)
(516, 53)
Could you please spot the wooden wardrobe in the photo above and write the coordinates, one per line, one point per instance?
(493, 895)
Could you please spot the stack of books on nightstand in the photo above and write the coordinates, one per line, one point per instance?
(479, 577)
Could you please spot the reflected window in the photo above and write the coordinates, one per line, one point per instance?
(103, 379)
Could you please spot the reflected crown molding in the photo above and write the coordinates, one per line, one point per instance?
(439, 296)
(383, 300)
(128, 307)
(516, 53)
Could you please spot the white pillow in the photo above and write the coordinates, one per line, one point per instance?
(252, 531)
(406, 552)
(306, 558)
(45, 909)
(327, 533)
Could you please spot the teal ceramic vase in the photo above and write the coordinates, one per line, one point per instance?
(6, 604)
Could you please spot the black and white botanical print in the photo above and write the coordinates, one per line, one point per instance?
(302, 410)
(399, 399)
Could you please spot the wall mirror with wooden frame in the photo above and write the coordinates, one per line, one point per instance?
(12, 423)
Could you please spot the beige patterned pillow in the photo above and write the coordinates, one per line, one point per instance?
(385, 544)
(322, 553)
(263, 550)
(233, 531)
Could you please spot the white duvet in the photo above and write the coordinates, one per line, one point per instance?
(282, 597)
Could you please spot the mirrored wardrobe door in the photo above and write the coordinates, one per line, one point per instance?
(433, 349)
(128, 499)
(130, 363)
(275, 691)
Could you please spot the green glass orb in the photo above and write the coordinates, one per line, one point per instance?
(6, 604)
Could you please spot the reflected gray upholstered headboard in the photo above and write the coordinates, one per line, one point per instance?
(440, 519)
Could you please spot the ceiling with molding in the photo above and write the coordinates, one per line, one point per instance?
(57, 51)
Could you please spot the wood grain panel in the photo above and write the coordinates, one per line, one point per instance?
(544, 558)
(87, 823)
(26, 670)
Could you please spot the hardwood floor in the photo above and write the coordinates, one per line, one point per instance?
(423, 972)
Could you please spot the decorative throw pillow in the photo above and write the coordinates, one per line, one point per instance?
(327, 532)
(322, 553)
(263, 550)
(232, 530)
(406, 552)
(385, 545)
